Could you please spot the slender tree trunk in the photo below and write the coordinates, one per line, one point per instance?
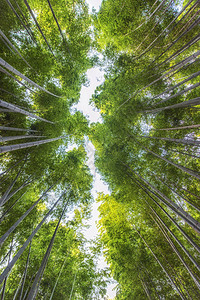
(5, 195)
(189, 21)
(5, 280)
(55, 285)
(34, 289)
(173, 68)
(147, 190)
(179, 279)
(194, 291)
(18, 137)
(156, 9)
(2, 261)
(145, 288)
(17, 190)
(19, 8)
(184, 189)
(64, 40)
(25, 273)
(13, 47)
(25, 294)
(28, 31)
(16, 72)
(38, 26)
(6, 44)
(26, 21)
(181, 50)
(158, 261)
(166, 35)
(17, 290)
(12, 228)
(195, 23)
(177, 209)
(73, 286)
(8, 148)
(155, 41)
(184, 153)
(192, 102)
(179, 255)
(22, 111)
(8, 170)
(5, 91)
(175, 277)
(179, 141)
(5, 179)
(181, 93)
(7, 254)
(178, 66)
(7, 211)
(178, 128)
(153, 6)
(19, 129)
(151, 29)
(176, 239)
(151, 281)
(21, 250)
(187, 13)
(182, 168)
(178, 194)
(14, 78)
(10, 195)
(4, 110)
(177, 85)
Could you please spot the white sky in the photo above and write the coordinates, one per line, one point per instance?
(94, 3)
(96, 77)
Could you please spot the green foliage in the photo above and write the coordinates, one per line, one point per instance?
(48, 166)
(146, 147)
(142, 153)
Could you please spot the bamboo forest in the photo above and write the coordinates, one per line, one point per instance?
(146, 149)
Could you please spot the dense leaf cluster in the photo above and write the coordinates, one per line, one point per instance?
(45, 187)
(147, 149)
(148, 146)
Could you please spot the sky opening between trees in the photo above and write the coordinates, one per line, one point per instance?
(147, 149)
